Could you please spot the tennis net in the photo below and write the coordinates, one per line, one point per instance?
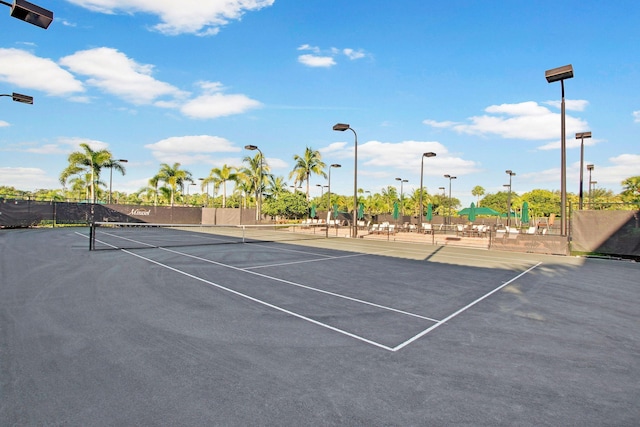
(121, 235)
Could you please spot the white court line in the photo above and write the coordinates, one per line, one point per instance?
(275, 307)
(349, 334)
(299, 285)
(463, 309)
(327, 257)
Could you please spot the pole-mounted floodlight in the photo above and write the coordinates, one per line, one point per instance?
(25, 99)
(582, 136)
(450, 178)
(18, 97)
(511, 174)
(429, 154)
(402, 181)
(335, 165)
(554, 75)
(590, 169)
(31, 13)
(342, 127)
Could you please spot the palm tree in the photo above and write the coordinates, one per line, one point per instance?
(310, 162)
(174, 177)
(477, 191)
(255, 173)
(153, 183)
(87, 160)
(276, 185)
(219, 177)
(117, 165)
(389, 196)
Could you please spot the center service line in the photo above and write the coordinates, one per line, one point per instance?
(463, 309)
(275, 307)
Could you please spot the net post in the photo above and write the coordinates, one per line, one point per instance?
(92, 236)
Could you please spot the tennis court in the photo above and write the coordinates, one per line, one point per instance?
(311, 331)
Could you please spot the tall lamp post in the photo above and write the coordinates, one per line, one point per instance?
(581, 136)
(402, 181)
(450, 178)
(590, 169)
(335, 165)
(114, 163)
(342, 127)
(31, 13)
(561, 74)
(258, 184)
(511, 174)
(322, 187)
(429, 154)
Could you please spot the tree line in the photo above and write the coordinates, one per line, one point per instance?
(253, 185)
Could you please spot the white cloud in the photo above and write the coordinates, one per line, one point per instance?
(327, 58)
(313, 49)
(74, 143)
(570, 104)
(636, 116)
(316, 61)
(113, 72)
(213, 103)
(192, 149)
(405, 155)
(4, 124)
(193, 144)
(353, 54)
(27, 178)
(571, 142)
(23, 69)
(525, 120)
(186, 16)
(436, 124)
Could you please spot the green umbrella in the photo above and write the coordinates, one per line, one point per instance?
(472, 212)
(335, 211)
(525, 213)
(312, 213)
(429, 212)
(396, 213)
(480, 211)
(361, 211)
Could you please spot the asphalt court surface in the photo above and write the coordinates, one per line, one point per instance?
(320, 332)
(379, 299)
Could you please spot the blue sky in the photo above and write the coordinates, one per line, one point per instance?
(194, 81)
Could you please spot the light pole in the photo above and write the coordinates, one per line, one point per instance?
(590, 169)
(30, 13)
(18, 97)
(335, 165)
(402, 181)
(561, 74)
(511, 174)
(342, 127)
(450, 178)
(581, 136)
(111, 165)
(322, 187)
(429, 154)
(258, 184)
